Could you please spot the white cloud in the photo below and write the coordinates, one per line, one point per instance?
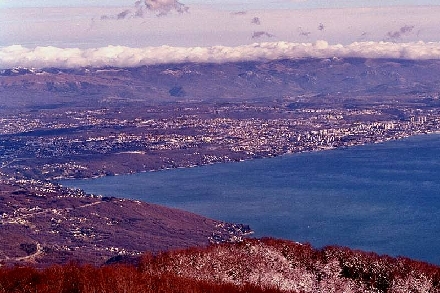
(165, 6)
(121, 56)
(159, 7)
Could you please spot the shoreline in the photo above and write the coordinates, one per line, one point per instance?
(196, 180)
(244, 159)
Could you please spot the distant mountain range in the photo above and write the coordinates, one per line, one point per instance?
(344, 78)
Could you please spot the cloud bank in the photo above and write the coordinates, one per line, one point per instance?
(120, 56)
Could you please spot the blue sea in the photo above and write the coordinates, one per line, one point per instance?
(381, 197)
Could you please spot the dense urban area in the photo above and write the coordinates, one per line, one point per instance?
(105, 141)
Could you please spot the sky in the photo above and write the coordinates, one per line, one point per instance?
(99, 32)
(249, 4)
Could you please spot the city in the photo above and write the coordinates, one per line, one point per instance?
(72, 144)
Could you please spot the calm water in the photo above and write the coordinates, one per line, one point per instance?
(383, 198)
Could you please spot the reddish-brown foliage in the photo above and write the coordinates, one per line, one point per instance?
(366, 271)
(74, 278)
(250, 266)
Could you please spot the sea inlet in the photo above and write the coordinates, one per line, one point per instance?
(382, 197)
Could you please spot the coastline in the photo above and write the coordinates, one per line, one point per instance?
(247, 158)
(191, 190)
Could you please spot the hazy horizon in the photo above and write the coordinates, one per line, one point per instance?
(47, 33)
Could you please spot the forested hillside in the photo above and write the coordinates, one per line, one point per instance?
(265, 265)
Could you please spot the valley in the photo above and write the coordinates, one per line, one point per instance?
(90, 122)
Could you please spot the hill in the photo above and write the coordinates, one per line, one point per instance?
(265, 265)
(43, 224)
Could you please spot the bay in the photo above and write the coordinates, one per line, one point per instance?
(382, 197)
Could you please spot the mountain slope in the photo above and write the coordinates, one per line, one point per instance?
(43, 224)
(354, 77)
(296, 267)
